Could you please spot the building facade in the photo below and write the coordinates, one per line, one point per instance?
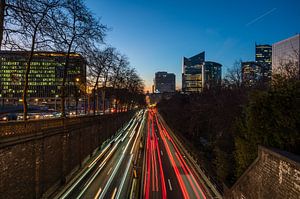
(45, 77)
(164, 82)
(192, 73)
(251, 73)
(286, 57)
(263, 57)
(198, 74)
(212, 74)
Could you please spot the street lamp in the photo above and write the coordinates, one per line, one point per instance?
(56, 96)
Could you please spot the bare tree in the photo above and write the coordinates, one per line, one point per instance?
(117, 76)
(288, 67)
(25, 30)
(100, 61)
(2, 13)
(72, 28)
(233, 77)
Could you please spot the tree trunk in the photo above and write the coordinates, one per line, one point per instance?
(63, 87)
(25, 89)
(2, 10)
(103, 100)
(97, 103)
(76, 104)
(89, 101)
(94, 100)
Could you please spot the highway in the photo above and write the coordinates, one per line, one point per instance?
(110, 174)
(166, 172)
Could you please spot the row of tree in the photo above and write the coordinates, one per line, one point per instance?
(65, 26)
(224, 126)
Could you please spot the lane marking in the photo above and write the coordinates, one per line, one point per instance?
(114, 193)
(170, 186)
(98, 193)
(109, 171)
(161, 152)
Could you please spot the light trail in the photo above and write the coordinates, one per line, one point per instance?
(163, 185)
(185, 167)
(107, 152)
(142, 123)
(98, 193)
(124, 177)
(115, 170)
(87, 171)
(114, 193)
(98, 171)
(179, 178)
(147, 170)
(91, 180)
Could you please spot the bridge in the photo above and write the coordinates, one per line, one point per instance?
(124, 155)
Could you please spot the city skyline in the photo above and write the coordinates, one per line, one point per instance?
(89, 106)
(156, 35)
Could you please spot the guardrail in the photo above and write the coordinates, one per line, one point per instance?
(14, 128)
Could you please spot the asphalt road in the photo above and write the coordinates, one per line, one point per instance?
(167, 173)
(110, 174)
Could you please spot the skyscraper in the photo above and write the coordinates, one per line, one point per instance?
(263, 57)
(251, 73)
(286, 57)
(192, 73)
(164, 82)
(198, 74)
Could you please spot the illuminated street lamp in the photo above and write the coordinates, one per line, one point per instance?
(56, 96)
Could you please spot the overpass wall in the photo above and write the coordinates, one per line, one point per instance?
(36, 157)
(274, 174)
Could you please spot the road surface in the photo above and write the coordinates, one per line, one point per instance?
(110, 174)
(166, 172)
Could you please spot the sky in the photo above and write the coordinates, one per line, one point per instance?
(156, 34)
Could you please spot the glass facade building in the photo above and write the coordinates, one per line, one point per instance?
(45, 77)
(286, 56)
(212, 74)
(164, 82)
(198, 74)
(251, 73)
(263, 57)
(192, 73)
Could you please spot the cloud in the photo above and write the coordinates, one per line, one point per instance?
(261, 16)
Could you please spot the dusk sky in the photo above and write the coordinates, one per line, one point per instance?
(156, 34)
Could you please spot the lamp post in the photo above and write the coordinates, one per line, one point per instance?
(56, 96)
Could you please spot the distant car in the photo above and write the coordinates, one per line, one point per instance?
(9, 117)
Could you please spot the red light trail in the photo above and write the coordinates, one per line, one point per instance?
(154, 168)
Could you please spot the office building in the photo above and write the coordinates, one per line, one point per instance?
(45, 77)
(263, 57)
(212, 74)
(192, 73)
(164, 82)
(286, 57)
(251, 73)
(198, 74)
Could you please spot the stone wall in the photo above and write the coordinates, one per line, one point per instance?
(36, 157)
(274, 174)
